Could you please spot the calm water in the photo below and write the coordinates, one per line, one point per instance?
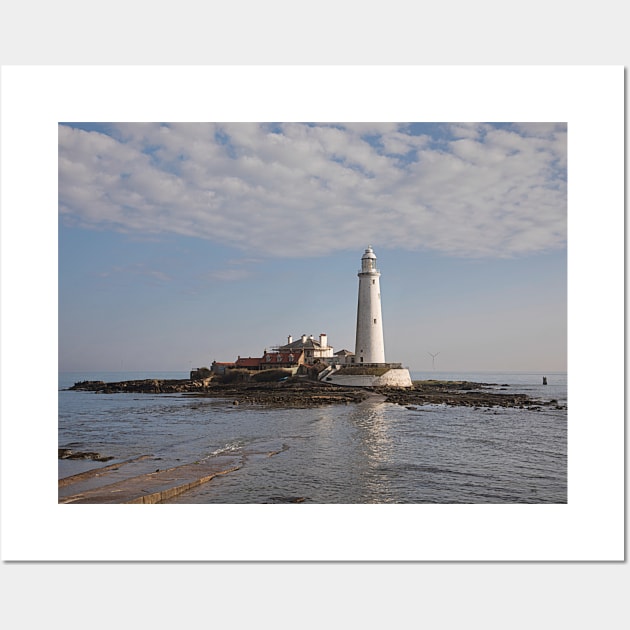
(366, 453)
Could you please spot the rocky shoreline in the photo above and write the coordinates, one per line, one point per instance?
(465, 393)
(290, 393)
(304, 393)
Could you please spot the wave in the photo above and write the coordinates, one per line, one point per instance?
(229, 448)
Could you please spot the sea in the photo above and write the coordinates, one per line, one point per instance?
(366, 453)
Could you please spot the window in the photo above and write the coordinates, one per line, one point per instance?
(375, 320)
(373, 281)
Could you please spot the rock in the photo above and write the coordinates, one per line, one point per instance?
(66, 453)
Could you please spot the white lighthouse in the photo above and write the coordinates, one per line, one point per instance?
(369, 347)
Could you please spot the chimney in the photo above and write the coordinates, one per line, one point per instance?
(289, 339)
(323, 340)
(303, 338)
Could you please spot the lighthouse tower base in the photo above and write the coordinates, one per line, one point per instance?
(375, 375)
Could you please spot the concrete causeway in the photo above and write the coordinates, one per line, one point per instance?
(153, 487)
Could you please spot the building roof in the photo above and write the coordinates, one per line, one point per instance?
(248, 362)
(291, 356)
(298, 344)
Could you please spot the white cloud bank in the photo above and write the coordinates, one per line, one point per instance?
(295, 189)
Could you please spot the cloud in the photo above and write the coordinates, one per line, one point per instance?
(291, 189)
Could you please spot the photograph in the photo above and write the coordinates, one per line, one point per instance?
(312, 312)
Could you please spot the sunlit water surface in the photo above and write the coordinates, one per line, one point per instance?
(372, 452)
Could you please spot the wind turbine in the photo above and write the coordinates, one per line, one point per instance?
(433, 357)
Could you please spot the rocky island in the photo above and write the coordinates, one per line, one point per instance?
(299, 392)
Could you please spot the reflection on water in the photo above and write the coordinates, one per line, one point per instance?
(373, 451)
(368, 418)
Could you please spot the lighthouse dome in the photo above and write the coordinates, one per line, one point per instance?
(369, 253)
(368, 262)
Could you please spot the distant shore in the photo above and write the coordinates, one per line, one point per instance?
(304, 393)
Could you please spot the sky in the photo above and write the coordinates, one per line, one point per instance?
(184, 243)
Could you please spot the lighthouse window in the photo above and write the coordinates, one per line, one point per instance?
(373, 281)
(375, 321)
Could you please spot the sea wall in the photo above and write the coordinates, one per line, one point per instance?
(397, 377)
